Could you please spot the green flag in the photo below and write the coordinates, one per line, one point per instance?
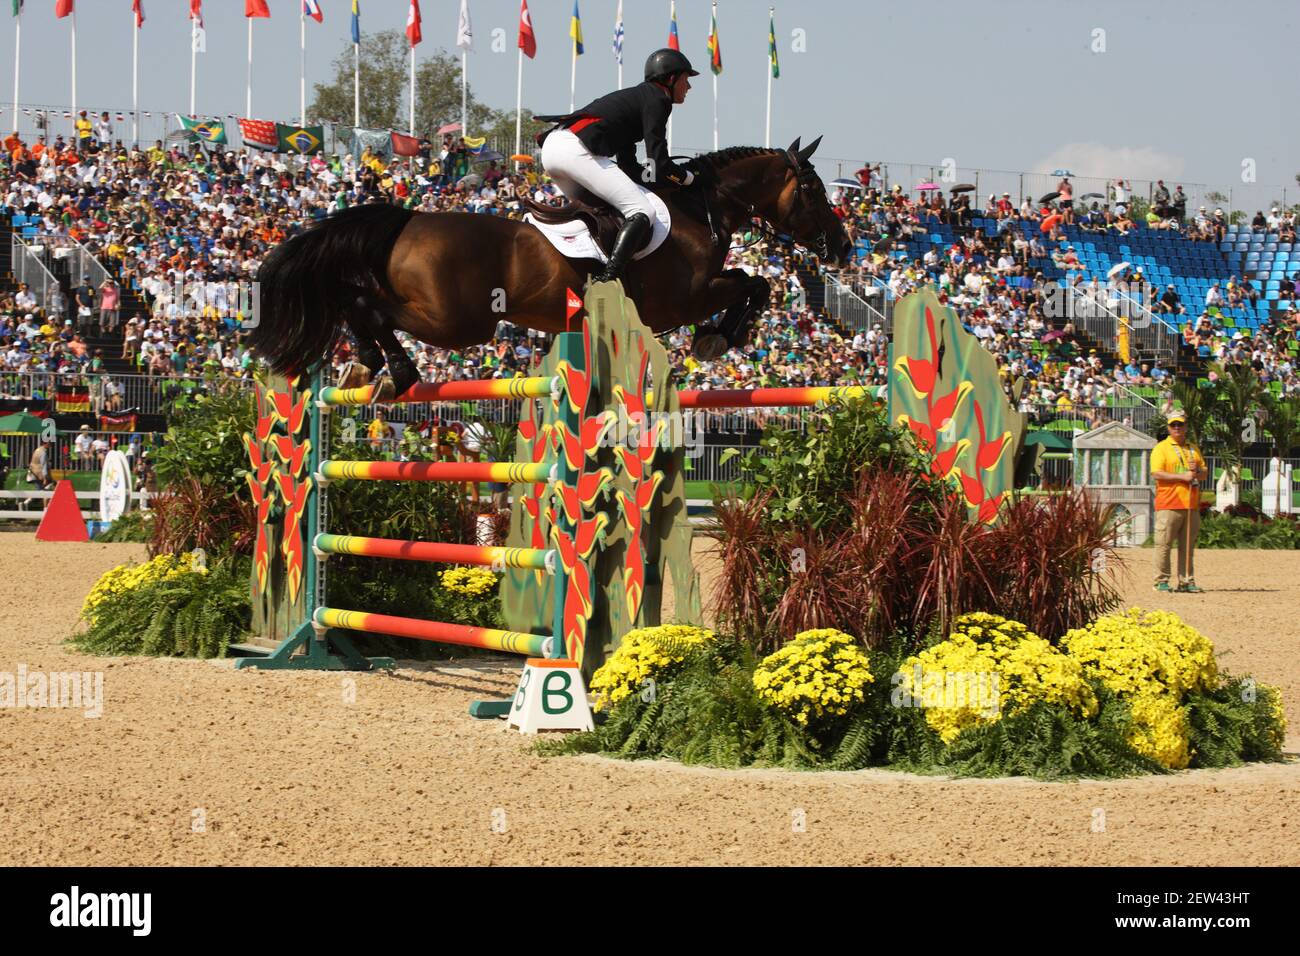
(18, 7)
(771, 44)
(300, 139)
(206, 130)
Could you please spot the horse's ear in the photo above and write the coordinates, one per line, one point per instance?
(794, 147)
(807, 150)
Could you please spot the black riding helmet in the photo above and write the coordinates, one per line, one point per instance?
(664, 63)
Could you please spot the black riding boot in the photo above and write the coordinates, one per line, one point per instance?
(635, 231)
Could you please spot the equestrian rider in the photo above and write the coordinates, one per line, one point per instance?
(577, 151)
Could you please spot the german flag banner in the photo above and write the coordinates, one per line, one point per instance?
(72, 399)
(117, 423)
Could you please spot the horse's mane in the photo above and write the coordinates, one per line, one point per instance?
(720, 159)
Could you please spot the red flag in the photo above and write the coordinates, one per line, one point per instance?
(256, 8)
(196, 11)
(527, 41)
(405, 145)
(137, 7)
(413, 23)
(63, 8)
(260, 134)
(572, 306)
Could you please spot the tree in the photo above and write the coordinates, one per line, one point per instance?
(385, 81)
(1283, 426)
(1238, 395)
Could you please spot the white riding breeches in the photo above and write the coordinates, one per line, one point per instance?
(570, 163)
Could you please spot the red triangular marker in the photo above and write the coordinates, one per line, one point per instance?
(62, 520)
(572, 306)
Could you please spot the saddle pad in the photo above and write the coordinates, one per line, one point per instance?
(574, 240)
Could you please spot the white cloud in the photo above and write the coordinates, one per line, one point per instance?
(1112, 162)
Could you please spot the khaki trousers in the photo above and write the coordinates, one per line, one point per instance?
(1171, 530)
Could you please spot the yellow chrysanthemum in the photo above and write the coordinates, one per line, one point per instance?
(822, 672)
(643, 653)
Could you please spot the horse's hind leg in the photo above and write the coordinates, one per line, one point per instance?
(368, 354)
(380, 326)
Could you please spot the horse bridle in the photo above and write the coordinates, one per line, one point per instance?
(803, 181)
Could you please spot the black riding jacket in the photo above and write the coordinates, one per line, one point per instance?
(613, 124)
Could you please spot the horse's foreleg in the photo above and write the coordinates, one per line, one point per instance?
(368, 354)
(381, 328)
(739, 296)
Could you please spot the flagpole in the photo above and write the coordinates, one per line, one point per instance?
(193, 57)
(464, 115)
(302, 65)
(412, 129)
(714, 34)
(573, 75)
(74, 71)
(135, 84)
(519, 106)
(767, 137)
(672, 18)
(248, 95)
(18, 54)
(356, 84)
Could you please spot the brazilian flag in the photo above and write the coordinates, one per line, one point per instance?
(303, 140)
(205, 131)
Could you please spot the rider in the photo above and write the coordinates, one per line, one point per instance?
(576, 152)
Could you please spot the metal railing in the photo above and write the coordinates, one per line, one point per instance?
(112, 393)
(853, 311)
(27, 266)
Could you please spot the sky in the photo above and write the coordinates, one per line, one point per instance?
(1184, 90)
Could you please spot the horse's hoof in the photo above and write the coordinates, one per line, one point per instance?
(709, 346)
(355, 375)
(383, 389)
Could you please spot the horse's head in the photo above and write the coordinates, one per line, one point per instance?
(803, 210)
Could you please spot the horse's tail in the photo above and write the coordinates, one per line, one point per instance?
(308, 285)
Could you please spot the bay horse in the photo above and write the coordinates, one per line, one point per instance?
(449, 278)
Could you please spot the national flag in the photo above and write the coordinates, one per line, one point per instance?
(575, 30)
(618, 34)
(198, 36)
(313, 10)
(715, 47)
(475, 143)
(527, 40)
(303, 140)
(413, 23)
(673, 43)
(771, 44)
(207, 131)
(259, 134)
(405, 145)
(117, 423)
(63, 8)
(378, 141)
(356, 21)
(464, 32)
(18, 7)
(137, 7)
(256, 8)
(71, 399)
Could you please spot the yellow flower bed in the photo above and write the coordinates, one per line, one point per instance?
(474, 582)
(1152, 660)
(990, 667)
(822, 672)
(128, 577)
(642, 654)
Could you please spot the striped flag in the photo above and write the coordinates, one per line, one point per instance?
(771, 45)
(618, 34)
(313, 10)
(575, 30)
(356, 21)
(715, 46)
(673, 43)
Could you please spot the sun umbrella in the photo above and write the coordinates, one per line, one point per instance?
(488, 156)
(1049, 223)
(883, 245)
(963, 188)
(1092, 196)
(1061, 172)
(846, 183)
(1053, 335)
(1050, 197)
(1117, 268)
(926, 187)
(522, 158)
(21, 423)
(449, 128)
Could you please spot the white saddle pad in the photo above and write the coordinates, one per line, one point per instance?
(574, 240)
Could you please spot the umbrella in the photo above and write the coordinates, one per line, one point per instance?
(1053, 335)
(1092, 196)
(21, 423)
(522, 158)
(449, 128)
(963, 188)
(1049, 223)
(1050, 197)
(925, 187)
(883, 245)
(1061, 172)
(1117, 268)
(488, 156)
(473, 179)
(846, 183)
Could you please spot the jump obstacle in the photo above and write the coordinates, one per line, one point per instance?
(595, 526)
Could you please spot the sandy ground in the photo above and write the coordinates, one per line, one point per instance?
(278, 769)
